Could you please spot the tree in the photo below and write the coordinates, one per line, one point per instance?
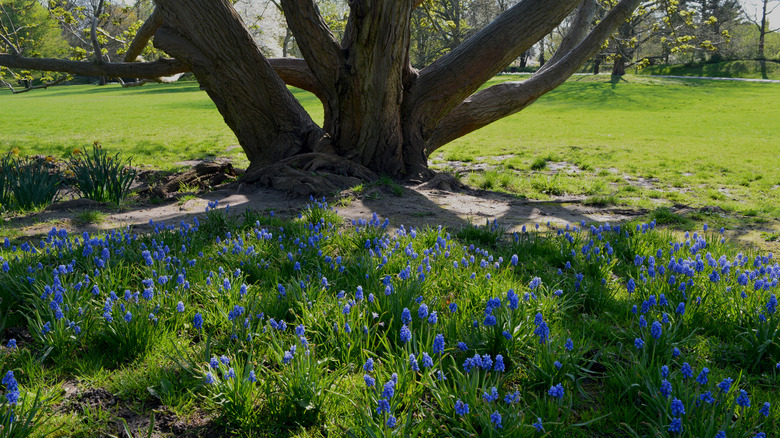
(759, 16)
(26, 26)
(381, 115)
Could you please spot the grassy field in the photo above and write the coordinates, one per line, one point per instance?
(640, 141)
(257, 326)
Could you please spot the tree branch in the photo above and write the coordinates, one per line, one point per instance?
(577, 31)
(296, 72)
(34, 87)
(142, 37)
(449, 80)
(318, 45)
(508, 98)
(93, 33)
(147, 70)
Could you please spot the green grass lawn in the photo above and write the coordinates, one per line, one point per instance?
(639, 141)
(705, 142)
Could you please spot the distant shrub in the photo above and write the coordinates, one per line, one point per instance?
(101, 177)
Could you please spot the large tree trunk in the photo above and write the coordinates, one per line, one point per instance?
(381, 115)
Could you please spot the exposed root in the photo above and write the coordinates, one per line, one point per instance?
(311, 174)
(443, 181)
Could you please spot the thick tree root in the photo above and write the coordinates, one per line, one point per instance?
(310, 174)
(443, 181)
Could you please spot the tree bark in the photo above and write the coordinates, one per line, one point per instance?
(208, 35)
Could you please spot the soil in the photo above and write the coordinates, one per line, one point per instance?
(171, 198)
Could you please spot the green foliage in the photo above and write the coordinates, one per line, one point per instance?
(6, 190)
(33, 183)
(101, 177)
(728, 69)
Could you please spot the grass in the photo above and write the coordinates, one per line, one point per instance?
(703, 142)
(256, 325)
(90, 217)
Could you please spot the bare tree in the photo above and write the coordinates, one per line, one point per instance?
(759, 16)
(381, 115)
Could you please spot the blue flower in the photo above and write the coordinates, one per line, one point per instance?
(675, 352)
(461, 408)
(707, 397)
(12, 388)
(720, 434)
(438, 344)
(495, 418)
(666, 388)
(433, 318)
(686, 370)
(678, 408)
(492, 396)
(180, 307)
(506, 335)
(542, 332)
(765, 409)
(391, 421)
(631, 285)
(370, 381)
(389, 389)
(11, 344)
(252, 377)
(676, 426)
(556, 391)
(656, 330)
(369, 365)
(453, 307)
(681, 308)
(702, 377)
(427, 361)
(512, 397)
(406, 334)
(463, 347)
(538, 425)
(771, 305)
(743, 399)
(725, 385)
(46, 328)
(569, 345)
(128, 317)
(422, 312)
(413, 363)
(499, 366)
(642, 321)
(197, 321)
(639, 343)
(406, 316)
(490, 320)
(665, 371)
(382, 406)
(231, 374)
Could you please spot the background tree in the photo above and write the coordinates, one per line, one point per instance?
(382, 116)
(25, 27)
(758, 13)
